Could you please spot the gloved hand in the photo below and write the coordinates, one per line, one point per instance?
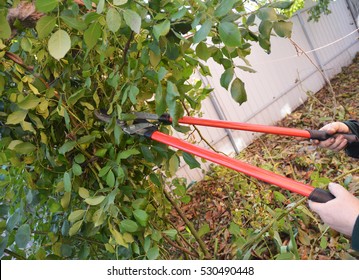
(335, 144)
(340, 213)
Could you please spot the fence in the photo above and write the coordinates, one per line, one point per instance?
(283, 78)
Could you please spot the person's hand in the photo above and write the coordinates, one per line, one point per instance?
(341, 212)
(338, 143)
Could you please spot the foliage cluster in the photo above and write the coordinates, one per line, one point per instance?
(71, 186)
(319, 8)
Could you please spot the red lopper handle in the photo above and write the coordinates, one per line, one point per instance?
(245, 168)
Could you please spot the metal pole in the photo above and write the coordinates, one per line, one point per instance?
(306, 34)
(351, 9)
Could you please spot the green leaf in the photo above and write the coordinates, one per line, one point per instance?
(265, 28)
(84, 193)
(26, 45)
(129, 225)
(88, 4)
(101, 152)
(76, 215)
(26, 126)
(155, 58)
(227, 77)
(141, 217)
(238, 91)
(76, 97)
(100, 6)
(306, 211)
(267, 13)
(230, 34)
(54, 206)
(67, 182)
(139, 203)
(133, 91)
(3, 244)
(16, 117)
(13, 144)
(204, 230)
(92, 34)
(65, 200)
(45, 25)
(75, 228)
(24, 148)
(113, 20)
(87, 139)
(281, 4)
(110, 179)
(304, 238)
(191, 161)
(59, 44)
(234, 229)
(13, 220)
(46, 6)
(265, 43)
(202, 51)
(161, 29)
(29, 102)
(286, 256)
(153, 253)
(5, 30)
(171, 100)
(155, 180)
(224, 8)
(118, 237)
(171, 233)
(203, 32)
(75, 23)
(283, 28)
(67, 147)
(66, 250)
(250, 20)
(98, 218)
(133, 20)
(126, 154)
(180, 14)
(161, 73)
(23, 236)
(247, 69)
(279, 196)
(96, 200)
(119, 2)
(2, 87)
(173, 164)
(76, 169)
(173, 51)
(104, 170)
(323, 242)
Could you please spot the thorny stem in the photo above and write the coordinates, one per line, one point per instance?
(200, 133)
(125, 50)
(180, 234)
(184, 250)
(14, 255)
(189, 225)
(341, 176)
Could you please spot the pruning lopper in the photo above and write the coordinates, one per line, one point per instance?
(146, 124)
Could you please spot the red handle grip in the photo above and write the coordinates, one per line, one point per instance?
(245, 168)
